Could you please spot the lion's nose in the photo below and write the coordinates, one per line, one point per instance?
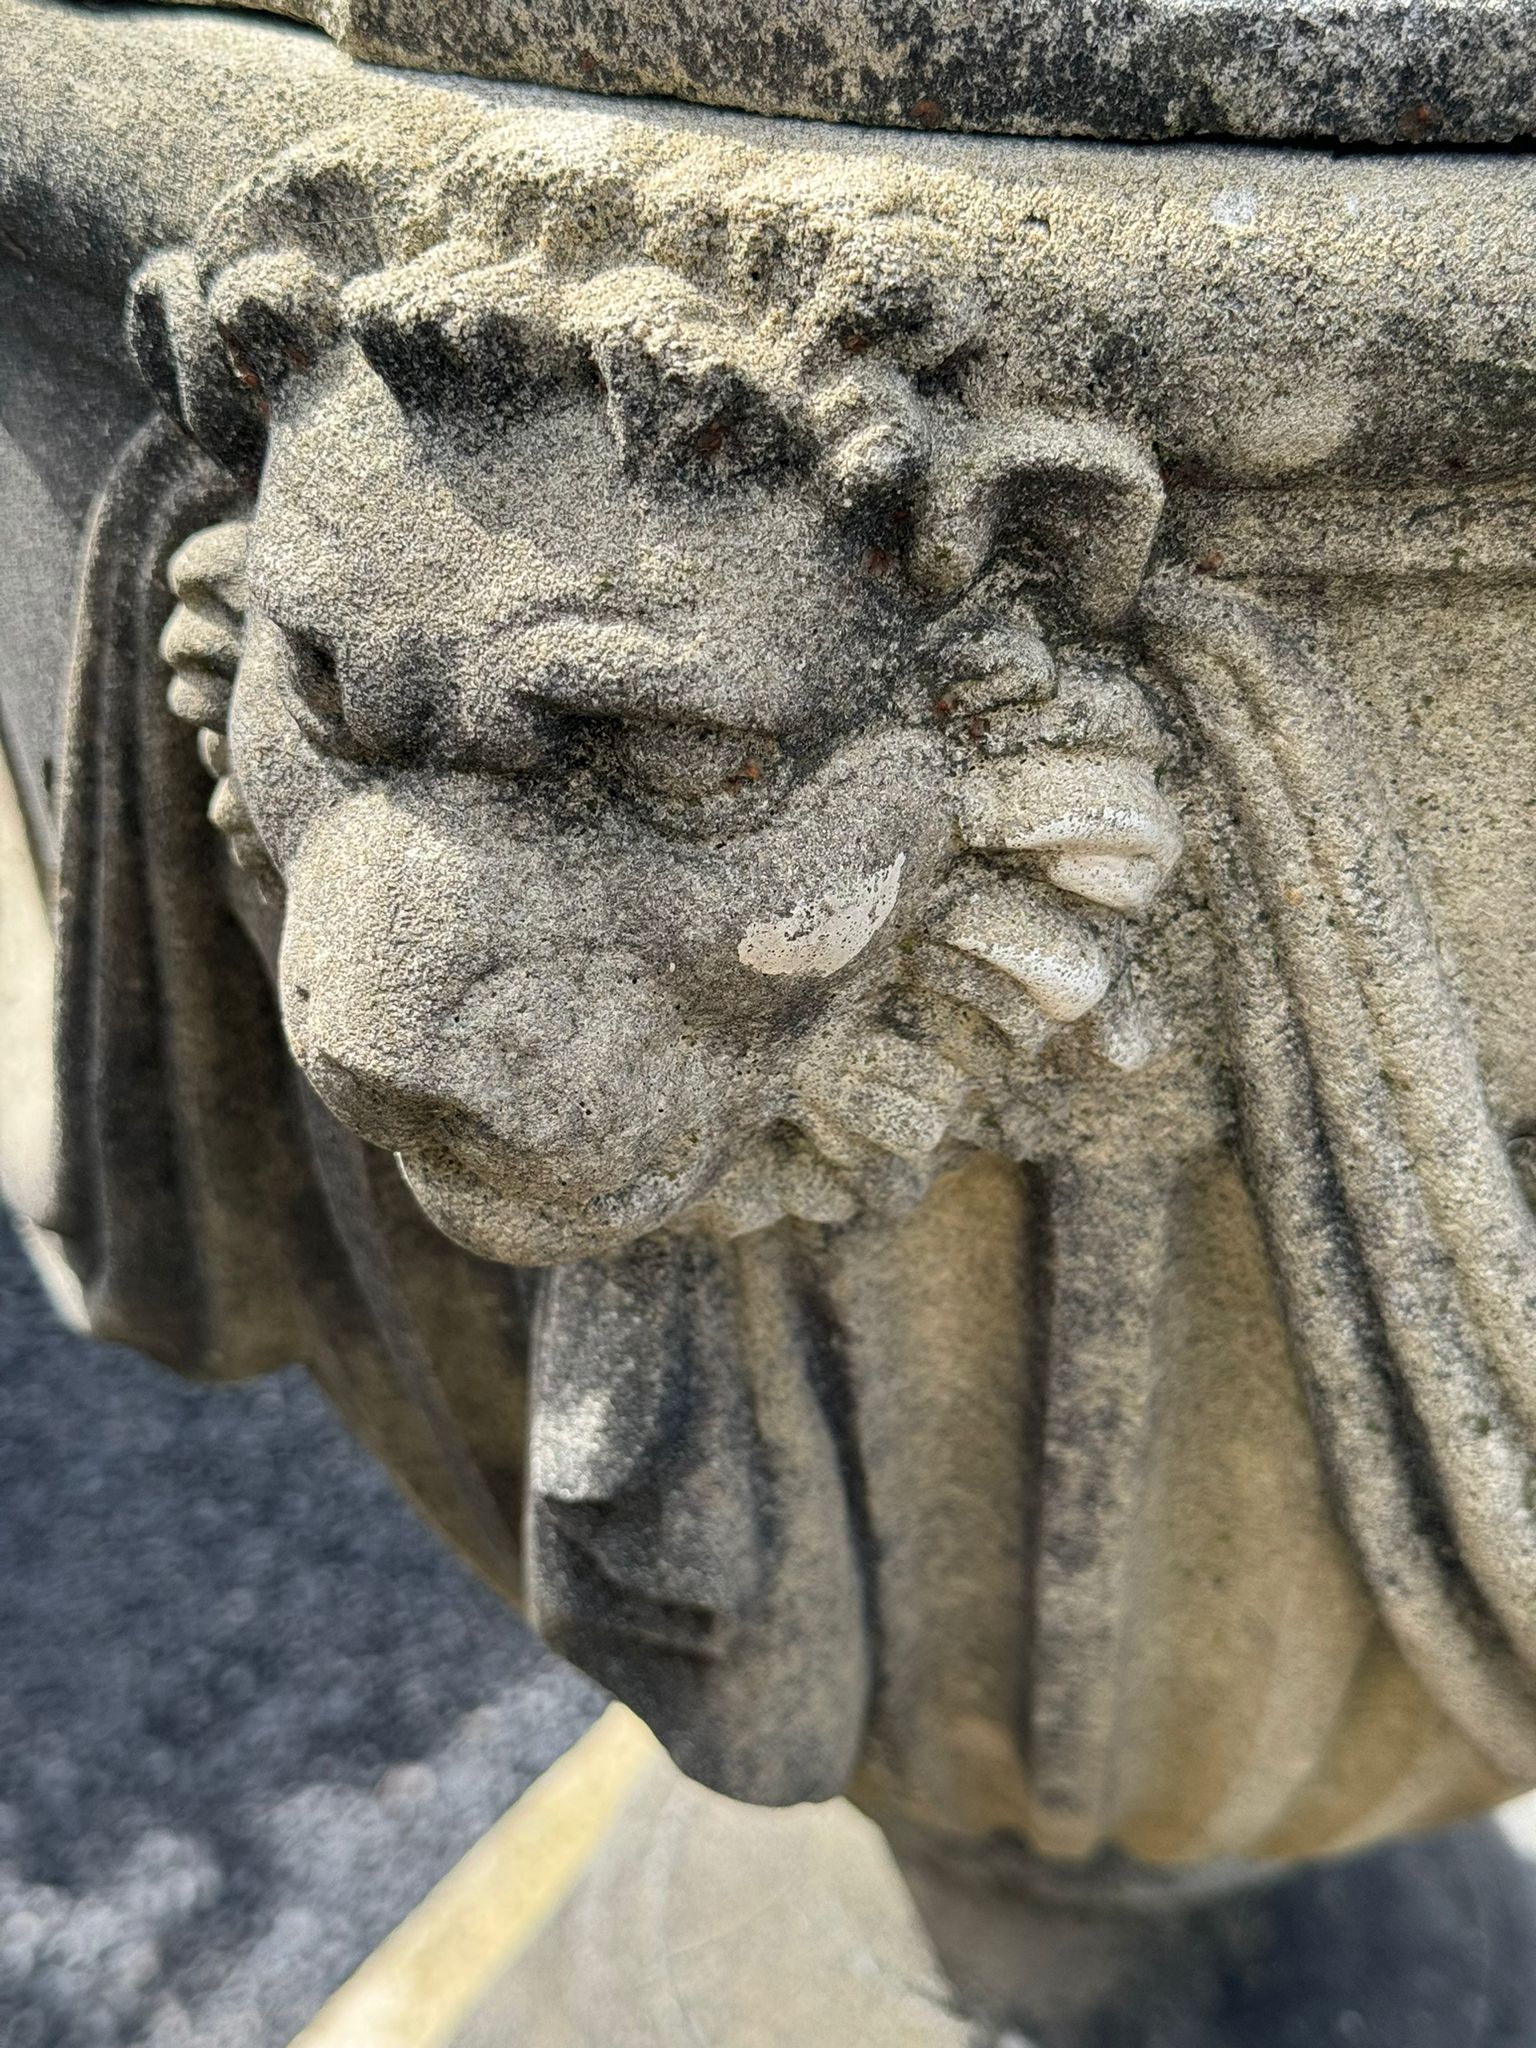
(384, 1110)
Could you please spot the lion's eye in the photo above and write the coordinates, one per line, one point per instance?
(687, 761)
(312, 690)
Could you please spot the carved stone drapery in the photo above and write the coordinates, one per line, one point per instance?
(865, 774)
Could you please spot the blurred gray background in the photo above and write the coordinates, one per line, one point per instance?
(250, 1709)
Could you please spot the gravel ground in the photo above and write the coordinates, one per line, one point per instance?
(250, 1710)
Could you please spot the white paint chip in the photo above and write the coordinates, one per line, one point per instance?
(820, 938)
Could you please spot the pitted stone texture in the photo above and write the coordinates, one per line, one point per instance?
(1389, 72)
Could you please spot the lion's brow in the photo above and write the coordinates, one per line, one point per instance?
(616, 667)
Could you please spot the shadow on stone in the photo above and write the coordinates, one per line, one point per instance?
(1419, 1944)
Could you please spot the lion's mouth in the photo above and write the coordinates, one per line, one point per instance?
(538, 1225)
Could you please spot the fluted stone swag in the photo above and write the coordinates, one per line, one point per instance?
(812, 850)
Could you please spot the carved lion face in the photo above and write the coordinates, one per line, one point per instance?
(589, 805)
(678, 809)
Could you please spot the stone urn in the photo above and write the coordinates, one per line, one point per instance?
(778, 772)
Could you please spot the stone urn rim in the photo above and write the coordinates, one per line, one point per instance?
(1373, 74)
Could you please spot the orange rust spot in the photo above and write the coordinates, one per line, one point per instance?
(942, 707)
(244, 373)
(586, 63)
(927, 113)
(1209, 565)
(877, 561)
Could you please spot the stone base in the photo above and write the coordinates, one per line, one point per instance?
(706, 1923)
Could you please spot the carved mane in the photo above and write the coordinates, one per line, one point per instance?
(736, 322)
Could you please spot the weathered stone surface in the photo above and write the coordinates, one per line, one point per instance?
(701, 1920)
(705, 1921)
(895, 770)
(1390, 72)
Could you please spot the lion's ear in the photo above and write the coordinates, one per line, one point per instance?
(183, 359)
(1088, 494)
